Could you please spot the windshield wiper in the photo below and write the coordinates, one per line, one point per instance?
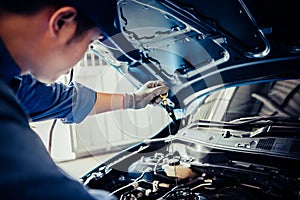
(268, 120)
(256, 121)
(218, 124)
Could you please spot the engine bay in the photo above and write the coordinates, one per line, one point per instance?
(173, 168)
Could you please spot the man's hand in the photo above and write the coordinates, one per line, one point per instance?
(149, 93)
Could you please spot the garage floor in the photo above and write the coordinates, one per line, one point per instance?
(79, 167)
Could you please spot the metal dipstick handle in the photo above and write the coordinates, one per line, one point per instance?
(164, 99)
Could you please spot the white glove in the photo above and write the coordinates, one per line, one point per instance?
(147, 94)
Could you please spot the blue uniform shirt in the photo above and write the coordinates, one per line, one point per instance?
(71, 103)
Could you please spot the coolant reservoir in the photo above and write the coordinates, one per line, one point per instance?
(176, 169)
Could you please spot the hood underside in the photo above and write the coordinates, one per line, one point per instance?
(196, 47)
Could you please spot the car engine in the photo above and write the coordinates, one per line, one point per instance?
(180, 167)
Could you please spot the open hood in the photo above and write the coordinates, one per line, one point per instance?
(199, 46)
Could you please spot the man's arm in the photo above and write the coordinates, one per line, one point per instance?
(107, 102)
(149, 93)
(41, 101)
(72, 103)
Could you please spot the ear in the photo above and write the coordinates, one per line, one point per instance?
(62, 19)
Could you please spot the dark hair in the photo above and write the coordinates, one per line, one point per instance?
(29, 7)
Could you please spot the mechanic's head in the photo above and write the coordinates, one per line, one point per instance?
(48, 37)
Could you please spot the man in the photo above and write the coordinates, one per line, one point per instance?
(46, 38)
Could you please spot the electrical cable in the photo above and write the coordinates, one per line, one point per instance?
(51, 136)
(135, 183)
(55, 120)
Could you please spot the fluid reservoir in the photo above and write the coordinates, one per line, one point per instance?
(176, 169)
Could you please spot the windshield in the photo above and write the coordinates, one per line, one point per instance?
(270, 100)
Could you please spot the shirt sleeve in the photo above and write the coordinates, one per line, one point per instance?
(70, 103)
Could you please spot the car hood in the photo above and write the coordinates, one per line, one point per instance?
(196, 47)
